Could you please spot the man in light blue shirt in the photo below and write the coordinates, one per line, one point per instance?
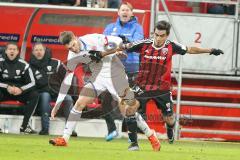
(128, 28)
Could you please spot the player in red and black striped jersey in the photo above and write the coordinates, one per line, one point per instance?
(154, 77)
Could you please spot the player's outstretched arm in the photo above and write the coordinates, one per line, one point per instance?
(125, 46)
(98, 55)
(211, 51)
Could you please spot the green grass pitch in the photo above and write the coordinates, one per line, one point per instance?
(34, 147)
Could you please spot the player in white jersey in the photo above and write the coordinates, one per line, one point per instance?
(108, 73)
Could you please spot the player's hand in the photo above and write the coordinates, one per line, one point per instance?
(54, 112)
(95, 55)
(124, 38)
(216, 52)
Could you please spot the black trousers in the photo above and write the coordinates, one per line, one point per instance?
(108, 109)
(30, 99)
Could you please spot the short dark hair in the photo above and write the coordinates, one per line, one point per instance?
(11, 43)
(163, 25)
(38, 43)
(66, 37)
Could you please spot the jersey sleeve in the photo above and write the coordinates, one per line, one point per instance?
(178, 48)
(29, 79)
(113, 39)
(74, 59)
(2, 84)
(137, 46)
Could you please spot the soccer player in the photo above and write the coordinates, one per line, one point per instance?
(154, 78)
(107, 74)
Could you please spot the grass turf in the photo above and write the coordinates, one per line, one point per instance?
(34, 147)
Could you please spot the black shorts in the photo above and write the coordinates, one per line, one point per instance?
(163, 101)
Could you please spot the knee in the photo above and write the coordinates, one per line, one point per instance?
(79, 105)
(68, 98)
(44, 99)
(33, 95)
(132, 109)
(129, 107)
(170, 120)
(45, 96)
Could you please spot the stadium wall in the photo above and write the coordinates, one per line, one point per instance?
(84, 128)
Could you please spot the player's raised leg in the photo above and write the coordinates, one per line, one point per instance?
(151, 134)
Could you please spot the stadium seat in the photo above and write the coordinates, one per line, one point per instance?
(11, 103)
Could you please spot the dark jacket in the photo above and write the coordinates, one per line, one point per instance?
(44, 69)
(16, 72)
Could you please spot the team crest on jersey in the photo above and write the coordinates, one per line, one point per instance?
(146, 51)
(5, 75)
(49, 68)
(37, 72)
(164, 51)
(38, 76)
(168, 105)
(5, 71)
(18, 71)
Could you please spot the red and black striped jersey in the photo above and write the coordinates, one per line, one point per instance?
(156, 63)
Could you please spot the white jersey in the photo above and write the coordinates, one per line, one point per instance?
(109, 67)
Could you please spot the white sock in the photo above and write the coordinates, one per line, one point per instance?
(73, 118)
(141, 123)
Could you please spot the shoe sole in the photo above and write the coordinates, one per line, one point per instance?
(133, 149)
(27, 133)
(51, 141)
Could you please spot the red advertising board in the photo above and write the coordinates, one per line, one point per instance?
(31, 24)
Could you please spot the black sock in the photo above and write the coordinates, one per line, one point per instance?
(170, 126)
(132, 128)
(170, 130)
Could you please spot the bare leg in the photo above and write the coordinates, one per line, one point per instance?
(86, 96)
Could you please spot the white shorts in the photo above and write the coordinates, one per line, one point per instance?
(117, 86)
